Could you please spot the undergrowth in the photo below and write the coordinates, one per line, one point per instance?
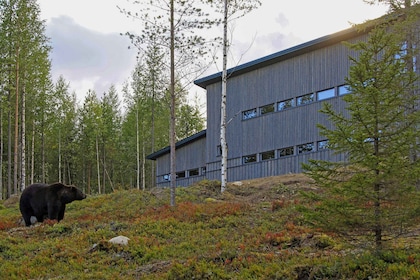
(252, 231)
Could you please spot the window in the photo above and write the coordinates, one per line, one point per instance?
(180, 174)
(246, 115)
(193, 172)
(322, 145)
(325, 94)
(305, 148)
(167, 177)
(283, 105)
(219, 150)
(249, 158)
(344, 89)
(289, 151)
(267, 155)
(203, 170)
(267, 109)
(305, 99)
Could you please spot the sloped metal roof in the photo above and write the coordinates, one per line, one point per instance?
(178, 145)
(280, 56)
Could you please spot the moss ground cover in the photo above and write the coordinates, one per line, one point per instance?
(252, 231)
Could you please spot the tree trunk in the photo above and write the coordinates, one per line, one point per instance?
(137, 147)
(16, 147)
(98, 166)
(31, 180)
(9, 148)
(223, 143)
(172, 137)
(1, 150)
(60, 179)
(23, 143)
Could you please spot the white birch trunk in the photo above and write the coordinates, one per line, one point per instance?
(97, 165)
(172, 137)
(223, 143)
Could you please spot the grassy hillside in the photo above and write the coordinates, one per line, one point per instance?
(252, 231)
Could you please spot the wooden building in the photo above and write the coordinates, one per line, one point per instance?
(273, 108)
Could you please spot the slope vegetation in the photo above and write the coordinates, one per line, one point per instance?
(252, 231)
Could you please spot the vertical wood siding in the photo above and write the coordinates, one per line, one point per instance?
(306, 73)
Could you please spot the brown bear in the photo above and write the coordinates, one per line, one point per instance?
(47, 201)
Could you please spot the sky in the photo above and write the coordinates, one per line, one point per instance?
(89, 52)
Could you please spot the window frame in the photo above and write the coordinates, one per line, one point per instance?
(287, 154)
(340, 89)
(328, 91)
(252, 158)
(268, 106)
(249, 114)
(194, 172)
(300, 100)
(272, 155)
(303, 148)
(288, 103)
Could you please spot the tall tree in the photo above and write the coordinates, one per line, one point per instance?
(231, 10)
(110, 135)
(90, 124)
(372, 194)
(27, 64)
(176, 23)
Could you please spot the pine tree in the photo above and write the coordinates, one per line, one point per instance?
(372, 195)
(25, 57)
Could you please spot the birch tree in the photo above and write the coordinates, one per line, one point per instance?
(232, 9)
(26, 59)
(175, 23)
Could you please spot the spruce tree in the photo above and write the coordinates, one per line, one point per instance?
(372, 196)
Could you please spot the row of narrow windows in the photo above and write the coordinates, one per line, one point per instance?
(184, 174)
(273, 154)
(296, 101)
(287, 151)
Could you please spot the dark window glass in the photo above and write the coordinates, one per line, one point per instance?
(193, 172)
(250, 158)
(267, 155)
(246, 115)
(219, 150)
(180, 174)
(289, 151)
(325, 94)
(285, 104)
(305, 99)
(305, 148)
(267, 109)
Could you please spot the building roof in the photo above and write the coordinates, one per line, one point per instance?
(178, 145)
(280, 56)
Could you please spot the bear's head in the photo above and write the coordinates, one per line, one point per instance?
(68, 194)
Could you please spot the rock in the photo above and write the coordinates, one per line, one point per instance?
(237, 183)
(33, 220)
(119, 240)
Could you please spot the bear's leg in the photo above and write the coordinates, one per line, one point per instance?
(27, 219)
(53, 211)
(61, 213)
(27, 212)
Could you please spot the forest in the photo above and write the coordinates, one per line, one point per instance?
(99, 143)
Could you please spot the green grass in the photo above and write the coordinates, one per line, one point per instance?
(253, 231)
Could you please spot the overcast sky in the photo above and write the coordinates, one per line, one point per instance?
(90, 53)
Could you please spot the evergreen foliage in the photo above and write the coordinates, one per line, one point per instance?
(372, 196)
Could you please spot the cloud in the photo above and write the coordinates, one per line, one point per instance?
(88, 59)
